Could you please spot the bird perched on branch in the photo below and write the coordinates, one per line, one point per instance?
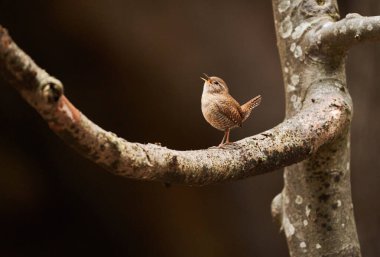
(221, 110)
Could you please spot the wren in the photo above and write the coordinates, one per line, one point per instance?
(221, 110)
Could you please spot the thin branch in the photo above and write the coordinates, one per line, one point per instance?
(325, 114)
(349, 31)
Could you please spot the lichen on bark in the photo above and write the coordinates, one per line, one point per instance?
(316, 207)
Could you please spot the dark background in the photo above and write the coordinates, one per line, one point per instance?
(133, 67)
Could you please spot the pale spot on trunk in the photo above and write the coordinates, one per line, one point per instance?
(299, 199)
(288, 227)
(283, 6)
(298, 52)
(307, 210)
(295, 79)
(293, 47)
(286, 27)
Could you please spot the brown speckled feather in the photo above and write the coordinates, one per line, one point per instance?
(249, 106)
(222, 111)
(230, 109)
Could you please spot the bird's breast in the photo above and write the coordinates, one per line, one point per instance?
(212, 110)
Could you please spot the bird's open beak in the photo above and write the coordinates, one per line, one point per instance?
(207, 79)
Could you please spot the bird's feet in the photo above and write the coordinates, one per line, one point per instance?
(226, 146)
(221, 146)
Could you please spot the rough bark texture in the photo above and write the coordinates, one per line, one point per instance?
(315, 207)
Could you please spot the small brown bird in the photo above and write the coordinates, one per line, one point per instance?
(221, 110)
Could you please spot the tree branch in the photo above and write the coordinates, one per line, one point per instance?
(325, 113)
(348, 32)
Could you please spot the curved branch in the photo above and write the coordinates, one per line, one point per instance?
(349, 31)
(325, 114)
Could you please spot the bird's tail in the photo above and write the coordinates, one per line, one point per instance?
(248, 106)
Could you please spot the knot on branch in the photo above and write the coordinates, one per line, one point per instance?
(315, 8)
(51, 89)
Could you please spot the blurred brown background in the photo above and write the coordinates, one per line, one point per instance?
(133, 67)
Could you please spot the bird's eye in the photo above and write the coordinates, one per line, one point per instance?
(215, 82)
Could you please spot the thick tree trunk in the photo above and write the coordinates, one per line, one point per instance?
(315, 207)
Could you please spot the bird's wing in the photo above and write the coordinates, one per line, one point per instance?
(231, 111)
(248, 106)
